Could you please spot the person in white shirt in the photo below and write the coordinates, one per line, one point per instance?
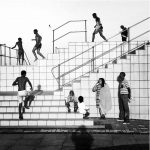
(82, 108)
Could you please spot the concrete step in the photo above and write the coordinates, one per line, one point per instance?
(41, 115)
(34, 103)
(46, 122)
(39, 109)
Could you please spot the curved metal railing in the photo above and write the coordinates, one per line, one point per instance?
(85, 31)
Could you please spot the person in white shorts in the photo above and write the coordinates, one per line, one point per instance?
(21, 82)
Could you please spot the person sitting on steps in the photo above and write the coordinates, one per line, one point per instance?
(72, 99)
(83, 109)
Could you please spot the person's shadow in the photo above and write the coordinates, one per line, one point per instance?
(82, 139)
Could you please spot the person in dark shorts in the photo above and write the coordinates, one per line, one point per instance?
(98, 28)
(22, 93)
(20, 50)
(38, 45)
(124, 33)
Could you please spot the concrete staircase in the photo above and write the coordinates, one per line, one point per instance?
(48, 109)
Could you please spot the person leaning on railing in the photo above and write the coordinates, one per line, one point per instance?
(20, 50)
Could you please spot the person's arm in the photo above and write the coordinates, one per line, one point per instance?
(14, 46)
(15, 82)
(94, 89)
(30, 84)
(129, 91)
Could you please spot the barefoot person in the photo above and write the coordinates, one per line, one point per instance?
(38, 45)
(21, 82)
(98, 28)
(103, 97)
(20, 50)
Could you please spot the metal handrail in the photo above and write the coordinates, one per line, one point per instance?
(90, 49)
(24, 53)
(101, 55)
(68, 32)
(109, 61)
(26, 61)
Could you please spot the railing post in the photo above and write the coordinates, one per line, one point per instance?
(59, 76)
(85, 32)
(9, 56)
(92, 59)
(5, 55)
(53, 41)
(129, 46)
(0, 55)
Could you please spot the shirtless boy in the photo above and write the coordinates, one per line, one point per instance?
(21, 82)
(38, 45)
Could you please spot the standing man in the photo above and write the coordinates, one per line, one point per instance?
(98, 28)
(20, 50)
(38, 45)
(21, 82)
(124, 33)
(124, 94)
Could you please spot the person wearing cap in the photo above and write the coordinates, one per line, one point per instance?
(38, 45)
(20, 50)
(98, 28)
(124, 33)
(124, 94)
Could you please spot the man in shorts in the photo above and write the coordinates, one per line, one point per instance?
(38, 45)
(21, 82)
(98, 28)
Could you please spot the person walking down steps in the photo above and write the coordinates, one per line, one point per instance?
(38, 45)
(98, 28)
(22, 93)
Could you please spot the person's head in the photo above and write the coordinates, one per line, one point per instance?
(101, 81)
(71, 93)
(94, 15)
(80, 99)
(122, 27)
(23, 73)
(20, 39)
(122, 75)
(35, 31)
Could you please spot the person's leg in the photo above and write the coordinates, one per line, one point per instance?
(102, 111)
(39, 53)
(101, 34)
(68, 106)
(33, 51)
(121, 108)
(126, 107)
(26, 102)
(75, 106)
(93, 35)
(22, 58)
(19, 57)
(31, 99)
(86, 114)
